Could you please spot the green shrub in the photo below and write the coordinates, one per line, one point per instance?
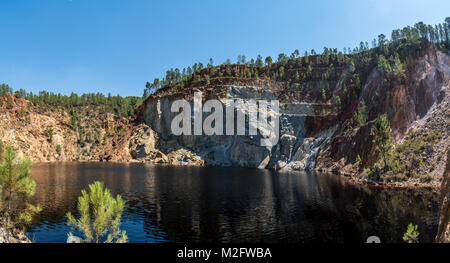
(49, 134)
(382, 141)
(16, 188)
(412, 234)
(58, 149)
(100, 215)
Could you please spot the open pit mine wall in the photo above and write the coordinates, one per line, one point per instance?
(312, 135)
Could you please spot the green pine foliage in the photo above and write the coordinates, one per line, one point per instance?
(412, 234)
(16, 189)
(361, 114)
(58, 149)
(100, 215)
(406, 161)
(5, 89)
(49, 134)
(359, 118)
(381, 131)
(118, 105)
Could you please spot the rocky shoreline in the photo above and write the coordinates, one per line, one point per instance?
(15, 236)
(350, 178)
(353, 178)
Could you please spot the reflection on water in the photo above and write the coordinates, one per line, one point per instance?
(179, 204)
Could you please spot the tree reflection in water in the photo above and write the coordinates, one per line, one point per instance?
(212, 204)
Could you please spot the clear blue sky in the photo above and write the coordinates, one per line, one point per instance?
(116, 45)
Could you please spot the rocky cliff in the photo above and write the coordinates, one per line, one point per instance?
(316, 121)
(47, 135)
(314, 130)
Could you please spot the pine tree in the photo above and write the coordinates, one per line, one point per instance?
(383, 139)
(398, 70)
(259, 62)
(268, 61)
(352, 67)
(361, 117)
(412, 234)
(16, 189)
(100, 215)
(297, 76)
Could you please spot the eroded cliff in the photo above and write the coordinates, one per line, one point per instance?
(49, 135)
(314, 129)
(317, 125)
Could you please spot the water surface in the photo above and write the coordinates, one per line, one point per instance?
(196, 204)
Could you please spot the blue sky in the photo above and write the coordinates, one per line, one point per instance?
(116, 45)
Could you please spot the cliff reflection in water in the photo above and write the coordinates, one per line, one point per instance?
(232, 204)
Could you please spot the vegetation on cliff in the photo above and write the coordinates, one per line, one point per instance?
(382, 137)
(49, 101)
(362, 84)
(391, 57)
(97, 122)
(63, 133)
(406, 161)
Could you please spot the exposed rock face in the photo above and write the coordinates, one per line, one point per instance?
(443, 235)
(143, 143)
(313, 135)
(295, 150)
(143, 148)
(426, 85)
(26, 128)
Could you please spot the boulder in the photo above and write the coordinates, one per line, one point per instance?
(74, 239)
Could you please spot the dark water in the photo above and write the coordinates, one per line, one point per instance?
(178, 204)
